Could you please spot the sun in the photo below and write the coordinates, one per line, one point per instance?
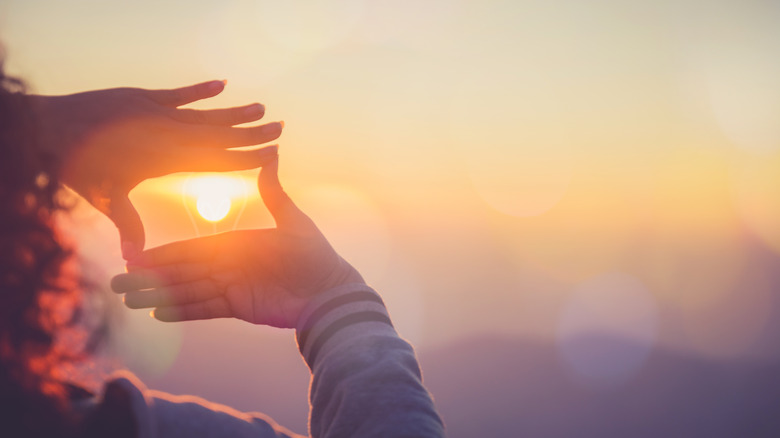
(214, 195)
(213, 207)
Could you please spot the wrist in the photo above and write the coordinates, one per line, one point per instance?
(342, 274)
(342, 314)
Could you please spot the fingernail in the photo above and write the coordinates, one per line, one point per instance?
(272, 127)
(281, 122)
(217, 86)
(254, 110)
(129, 251)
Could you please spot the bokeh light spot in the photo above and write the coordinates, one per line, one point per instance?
(745, 98)
(607, 329)
(146, 346)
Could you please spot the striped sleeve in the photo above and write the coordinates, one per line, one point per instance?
(339, 314)
(365, 379)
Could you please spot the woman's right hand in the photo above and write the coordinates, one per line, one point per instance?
(262, 276)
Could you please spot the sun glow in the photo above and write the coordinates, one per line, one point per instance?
(214, 195)
(212, 207)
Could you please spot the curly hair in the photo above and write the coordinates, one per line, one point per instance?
(35, 285)
(40, 290)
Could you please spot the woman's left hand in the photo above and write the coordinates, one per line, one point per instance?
(108, 141)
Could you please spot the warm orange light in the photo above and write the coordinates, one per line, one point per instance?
(213, 207)
(214, 195)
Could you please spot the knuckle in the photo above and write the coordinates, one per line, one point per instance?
(198, 116)
(188, 115)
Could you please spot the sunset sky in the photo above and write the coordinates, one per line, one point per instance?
(534, 170)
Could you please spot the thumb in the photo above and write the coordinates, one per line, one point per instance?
(128, 222)
(284, 211)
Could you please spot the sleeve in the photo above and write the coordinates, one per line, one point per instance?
(160, 415)
(188, 416)
(366, 381)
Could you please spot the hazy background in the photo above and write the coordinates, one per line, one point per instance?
(572, 208)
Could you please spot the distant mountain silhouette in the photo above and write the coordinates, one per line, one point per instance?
(507, 387)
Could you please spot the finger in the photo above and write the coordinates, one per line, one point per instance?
(185, 293)
(202, 249)
(131, 231)
(217, 160)
(156, 277)
(213, 308)
(279, 204)
(225, 116)
(184, 95)
(230, 137)
(220, 252)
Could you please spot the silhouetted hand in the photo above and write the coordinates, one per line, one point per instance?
(108, 141)
(261, 276)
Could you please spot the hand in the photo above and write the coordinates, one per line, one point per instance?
(261, 276)
(108, 141)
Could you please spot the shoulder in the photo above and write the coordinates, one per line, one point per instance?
(159, 414)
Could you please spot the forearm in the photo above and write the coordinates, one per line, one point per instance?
(366, 380)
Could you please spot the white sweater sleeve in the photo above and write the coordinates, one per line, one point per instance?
(366, 380)
(161, 415)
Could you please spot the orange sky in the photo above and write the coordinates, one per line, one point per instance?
(491, 167)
